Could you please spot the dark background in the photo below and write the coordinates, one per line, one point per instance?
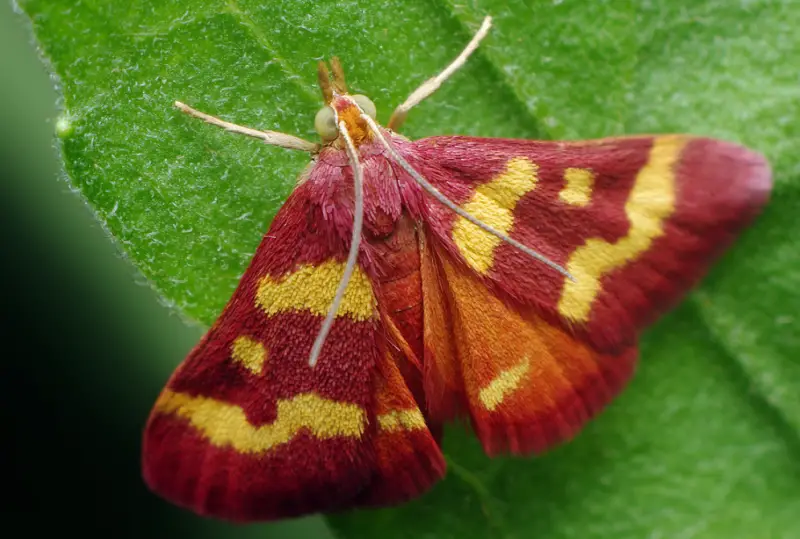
(76, 327)
(86, 343)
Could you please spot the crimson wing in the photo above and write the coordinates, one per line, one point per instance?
(246, 430)
(528, 355)
(637, 221)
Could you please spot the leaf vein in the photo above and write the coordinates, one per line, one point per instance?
(232, 7)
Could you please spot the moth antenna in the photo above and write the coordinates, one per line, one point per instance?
(352, 256)
(324, 80)
(433, 84)
(435, 193)
(273, 138)
(338, 76)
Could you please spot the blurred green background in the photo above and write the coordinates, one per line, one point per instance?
(79, 321)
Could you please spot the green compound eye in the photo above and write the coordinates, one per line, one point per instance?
(366, 104)
(325, 124)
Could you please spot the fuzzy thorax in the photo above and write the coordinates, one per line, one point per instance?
(349, 113)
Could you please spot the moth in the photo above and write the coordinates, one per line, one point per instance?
(405, 284)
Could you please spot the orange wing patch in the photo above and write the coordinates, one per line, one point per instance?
(527, 383)
(444, 389)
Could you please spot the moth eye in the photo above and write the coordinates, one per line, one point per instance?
(325, 124)
(366, 105)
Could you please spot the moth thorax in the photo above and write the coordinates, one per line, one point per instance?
(349, 113)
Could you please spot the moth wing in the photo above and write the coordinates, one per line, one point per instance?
(525, 383)
(245, 430)
(408, 458)
(637, 221)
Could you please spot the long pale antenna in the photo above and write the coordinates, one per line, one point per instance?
(433, 84)
(352, 256)
(273, 138)
(435, 193)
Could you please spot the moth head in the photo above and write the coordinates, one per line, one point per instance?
(341, 107)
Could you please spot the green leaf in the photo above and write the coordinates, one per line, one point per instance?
(704, 443)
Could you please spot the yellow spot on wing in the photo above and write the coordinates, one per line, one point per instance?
(503, 385)
(578, 188)
(311, 288)
(650, 203)
(493, 203)
(410, 419)
(225, 424)
(250, 353)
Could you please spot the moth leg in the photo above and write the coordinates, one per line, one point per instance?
(273, 138)
(433, 84)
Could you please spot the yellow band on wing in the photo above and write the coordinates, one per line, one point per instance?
(410, 419)
(650, 203)
(493, 203)
(578, 186)
(250, 353)
(225, 424)
(312, 288)
(504, 384)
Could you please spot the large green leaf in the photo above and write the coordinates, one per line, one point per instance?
(704, 443)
